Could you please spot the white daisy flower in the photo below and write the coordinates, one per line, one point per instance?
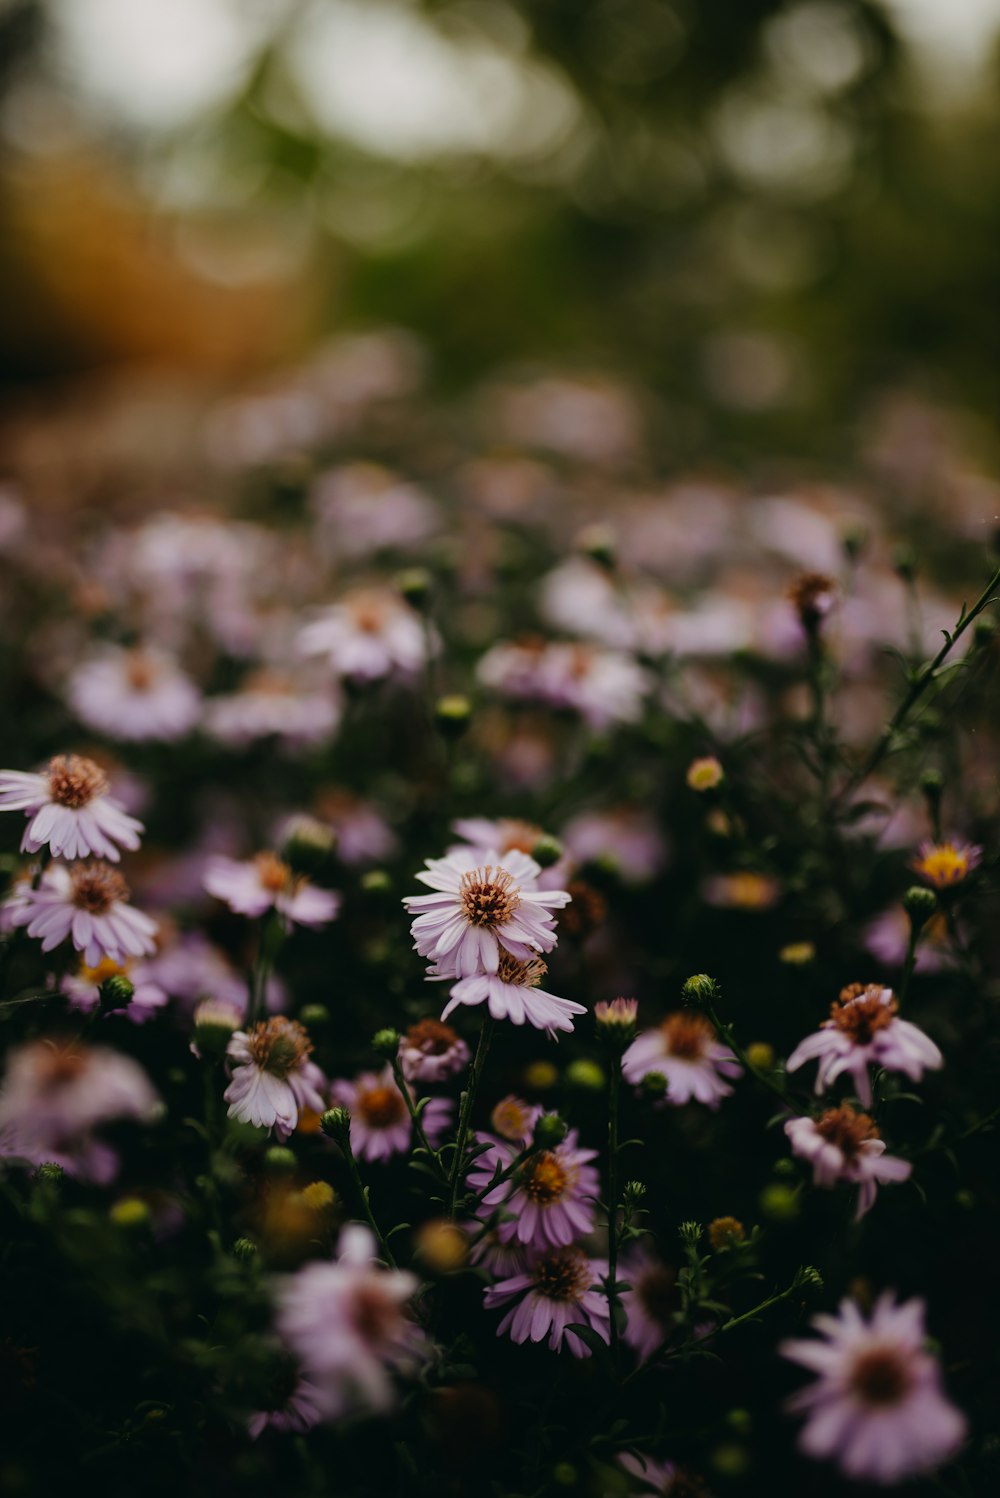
(70, 810)
(87, 902)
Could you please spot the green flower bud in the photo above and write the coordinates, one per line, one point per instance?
(50, 1173)
(336, 1125)
(314, 1016)
(547, 851)
(415, 585)
(654, 1084)
(779, 1203)
(116, 993)
(699, 989)
(308, 844)
(244, 1249)
(131, 1214)
(586, 1075)
(386, 1043)
(376, 882)
(550, 1130)
(904, 561)
(920, 904)
(600, 543)
(453, 715)
(279, 1160)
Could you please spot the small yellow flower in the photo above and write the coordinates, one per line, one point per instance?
(761, 1055)
(539, 1076)
(705, 774)
(318, 1196)
(725, 1232)
(797, 953)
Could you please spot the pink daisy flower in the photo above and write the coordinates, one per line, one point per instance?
(864, 1030)
(605, 687)
(70, 810)
(686, 1050)
(273, 1080)
(87, 902)
(380, 1122)
(347, 1324)
(877, 1407)
(512, 992)
(139, 694)
(55, 1092)
(844, 1145)
(479, 908)
(556, 1291)
(83, 988)
(432, 1052)
(264, 883)
(272, 706)
(550, 1198)
(650, 1302)
(369, 635)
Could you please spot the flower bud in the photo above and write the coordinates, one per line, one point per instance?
(699, 989)
(215, 1021)
(761, 1055)
(854, 542)
(415, 586)
(314, 1016)
(50, 1173)
(442, 1246)
(920, 904)
(453, 715)
(600, 543)
(336, 1125)
(130, 1214)
(586, 1075)
(615, 1023)
(539, 1076)
(550, 1130)
(376, 882)
(779, 1203)
(654, 1085)
(279, 1160)
(308, 844)
(547, 851)
(904, 562)
(812, 596)
(386, 1043)
(244, 1249)
(116, 993)
(705, 774)
(633, 1193)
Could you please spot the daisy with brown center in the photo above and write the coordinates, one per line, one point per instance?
(687, 1052)
(549, 1200)
(432, 1052)
(264, 883)
(139, 694)
(513, 993)
(273, 1080)
(369, 635)
(479, 909)
(380, 1122)
(843, 1144)
(946, 864)
(557, 1290)
(70, 810)
(877, 1407)
(87, 902)
(864, 1029)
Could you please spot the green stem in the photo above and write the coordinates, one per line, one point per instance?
(465, 1113)
(362, 1195)
(418, 1128)
(614, 1093)
(910, 963)
(918, 686)
(726, 1032)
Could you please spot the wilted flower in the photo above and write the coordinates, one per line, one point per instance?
(864, 1030)
(273, 1078)
(432, 1052)
(70, 810)
(139, 694)
(687, 1052)
(264, 883)
(877, 1407)
(551, 1195)
(844, 1145)
(85, 901)
(347, 1324)
(380, 1123)
(555, 1291)
(480, 908)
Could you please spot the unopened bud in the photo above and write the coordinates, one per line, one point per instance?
(550, 1130)
(386, 1043)
(761, 1055)
(586, 1075)
(49, 1172)
(920, 904)
(415, 585)
(308, 843)
(615, 1022)
(600, 543)
(215, 1021)
(131, 1214)
(699, 989)
(314, 1016)
(654, 1085)
(336, 1125)
(540, 1076)
(116, 993)
(453, 714)
(244, 1249)
(279, 1160)
(779, 1203)
(547, 851)
(376, 882)
(904, 562)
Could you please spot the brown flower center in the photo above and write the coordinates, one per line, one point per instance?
(544, 1178)
(880, 1376)
(861, 1011)
(688, 1035)
(656, 1289)
(381, 1107)
(58, 1065)
(563, 1275)
(431, 1038)
(489, 896)
(368, 611)
(75, 781)
(524, 974)
(274, 875)
(279, 1045)
(96, 887)
(374, 1314)
(846, 1129)
(140, 671)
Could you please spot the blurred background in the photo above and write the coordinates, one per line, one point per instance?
(778, 220)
